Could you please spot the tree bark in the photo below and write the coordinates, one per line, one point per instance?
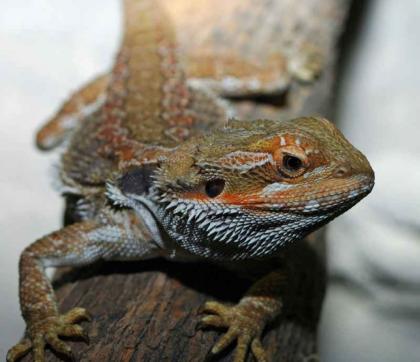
(148, 311)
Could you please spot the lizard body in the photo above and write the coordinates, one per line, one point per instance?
(160, 172)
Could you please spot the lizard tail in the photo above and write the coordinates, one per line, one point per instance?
(147, 96)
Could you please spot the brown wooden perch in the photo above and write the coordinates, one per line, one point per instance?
(148, 311)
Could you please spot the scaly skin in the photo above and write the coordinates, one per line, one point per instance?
(184, 184)
(72, 112)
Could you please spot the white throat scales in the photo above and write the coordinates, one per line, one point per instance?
(212, 231)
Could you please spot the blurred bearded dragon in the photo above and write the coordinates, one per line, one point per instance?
(160, 171)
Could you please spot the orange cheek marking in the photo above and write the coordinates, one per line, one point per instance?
(227, 198)
(238, 199)
(232, 199)
(197, 196)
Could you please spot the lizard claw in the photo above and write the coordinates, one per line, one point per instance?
(244, 325)
(47, 331)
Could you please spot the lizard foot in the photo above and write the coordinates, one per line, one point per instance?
(47, 331)
(244, 323)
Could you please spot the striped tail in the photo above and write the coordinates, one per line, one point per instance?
(147, 98)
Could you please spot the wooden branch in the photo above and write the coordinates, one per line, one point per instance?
(148, 311)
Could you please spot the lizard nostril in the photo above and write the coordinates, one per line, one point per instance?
(341, 171)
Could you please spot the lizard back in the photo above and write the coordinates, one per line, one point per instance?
(148, 107)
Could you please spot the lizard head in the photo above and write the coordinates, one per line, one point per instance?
(247, 189)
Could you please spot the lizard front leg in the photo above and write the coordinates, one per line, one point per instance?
(247, 320)
(75, 245)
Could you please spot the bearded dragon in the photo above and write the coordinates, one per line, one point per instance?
(160, 171)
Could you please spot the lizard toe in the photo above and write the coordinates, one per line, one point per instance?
(76, 315)
(74, 330)
(244, 325)
(48, 332)
(19, 350)
(215, 308)
(225, 340)
(258, 350)
(57, 344)
(38, 348)
(211, 321)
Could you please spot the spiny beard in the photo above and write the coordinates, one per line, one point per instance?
(221, 232)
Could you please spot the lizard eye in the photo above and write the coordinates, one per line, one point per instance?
(214, 187)
(292, 166)
(292, 163)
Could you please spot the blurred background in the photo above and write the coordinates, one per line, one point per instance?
(372, 308)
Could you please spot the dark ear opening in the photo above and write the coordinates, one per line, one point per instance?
(138, 179)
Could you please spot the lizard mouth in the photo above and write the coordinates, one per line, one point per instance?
(330, 196)
(337, 196)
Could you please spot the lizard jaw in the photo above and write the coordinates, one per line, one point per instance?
(330, 195)
(255, 229)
